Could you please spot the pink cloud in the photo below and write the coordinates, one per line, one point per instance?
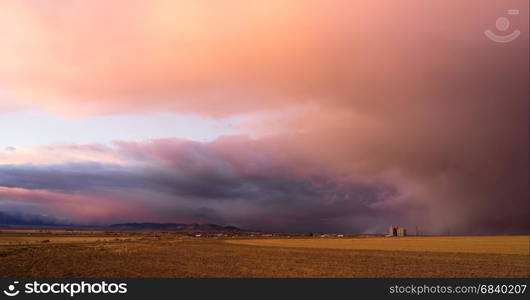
(411, 87)
(60, 153)
(75, 207)
(238, 57)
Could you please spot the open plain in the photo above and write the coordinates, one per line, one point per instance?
(34, 253)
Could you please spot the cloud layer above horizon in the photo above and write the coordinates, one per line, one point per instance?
(350, 116)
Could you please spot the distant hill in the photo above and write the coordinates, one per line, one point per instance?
(12, 220)
(175, 226)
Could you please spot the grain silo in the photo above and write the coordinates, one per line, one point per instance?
(392, 231)
(401, 231)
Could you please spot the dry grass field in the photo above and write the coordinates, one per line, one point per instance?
(174, 255)
(31, 240)
(460, 244)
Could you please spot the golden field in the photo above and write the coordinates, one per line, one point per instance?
(461, 244)
(32, 240)
(149, 254)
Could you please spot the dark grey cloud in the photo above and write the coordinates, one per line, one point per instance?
(204, 183)
(69, 177)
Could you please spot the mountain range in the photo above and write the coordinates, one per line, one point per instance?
(29, 220)
(174, 226)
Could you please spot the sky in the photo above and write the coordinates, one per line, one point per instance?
(295, 116)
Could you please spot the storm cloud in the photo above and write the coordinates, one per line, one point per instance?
(359, 115)
(194, 180)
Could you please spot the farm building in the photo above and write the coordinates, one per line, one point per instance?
(401, 231)
(396, 231)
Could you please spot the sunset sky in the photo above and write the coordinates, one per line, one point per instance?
(293, 115)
